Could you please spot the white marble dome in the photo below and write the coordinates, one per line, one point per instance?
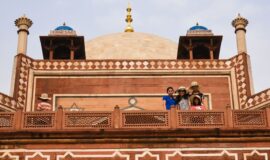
(130, 45)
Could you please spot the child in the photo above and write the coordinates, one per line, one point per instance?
(169, 100)
(182, 98)
(196, 103)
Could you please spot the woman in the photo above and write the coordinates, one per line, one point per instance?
(196, 103)
(169, 100)
(182, 98)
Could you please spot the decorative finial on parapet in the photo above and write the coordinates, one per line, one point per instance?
(240, 23)
(23, 23)
(129, 20)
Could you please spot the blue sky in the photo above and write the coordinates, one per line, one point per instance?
(169, 19)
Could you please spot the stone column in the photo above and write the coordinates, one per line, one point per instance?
(190, 50)
(212, 53)
(211, 49)
(51, 54)
(23, 23)
(72, 50)
(240, 23)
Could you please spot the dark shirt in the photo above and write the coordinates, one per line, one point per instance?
(179, 98)
(169, 101)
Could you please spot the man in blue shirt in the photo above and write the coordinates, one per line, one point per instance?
(169, 100)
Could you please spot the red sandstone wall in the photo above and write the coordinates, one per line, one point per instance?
(218, 87)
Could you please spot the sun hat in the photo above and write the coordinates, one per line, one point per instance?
(181, 88)
(44, 96)
(194, 84)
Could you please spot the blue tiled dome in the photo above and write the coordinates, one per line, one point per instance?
(198, 27)
(63, 27)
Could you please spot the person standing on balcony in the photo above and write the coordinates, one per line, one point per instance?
(195, 90)
(182, 98)
(196, 103)
(44, 105)
(169, 100)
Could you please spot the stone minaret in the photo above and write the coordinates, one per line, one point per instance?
(240, 23)
(23, 23)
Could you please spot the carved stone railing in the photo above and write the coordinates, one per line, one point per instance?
(140, 119)
(250, 118)
(73, 120)
(201, 119)
(259, 100)
(118, 119)
(8, 103)
(39, 120)
(7, 120)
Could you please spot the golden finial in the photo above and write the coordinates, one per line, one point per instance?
(129, 19)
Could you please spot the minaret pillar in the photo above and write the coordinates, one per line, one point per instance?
(240, 23)
(23, 23)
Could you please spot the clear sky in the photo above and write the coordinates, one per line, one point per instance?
(166, 18)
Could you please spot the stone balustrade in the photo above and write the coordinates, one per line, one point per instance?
(8, 103)
(118, 119)
(259, 100)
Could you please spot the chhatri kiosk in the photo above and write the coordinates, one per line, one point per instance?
(106, 100)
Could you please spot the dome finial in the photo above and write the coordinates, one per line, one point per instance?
(129, 19)
(64, 24)
(197, 23)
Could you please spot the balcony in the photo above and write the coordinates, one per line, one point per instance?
(133, 120)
